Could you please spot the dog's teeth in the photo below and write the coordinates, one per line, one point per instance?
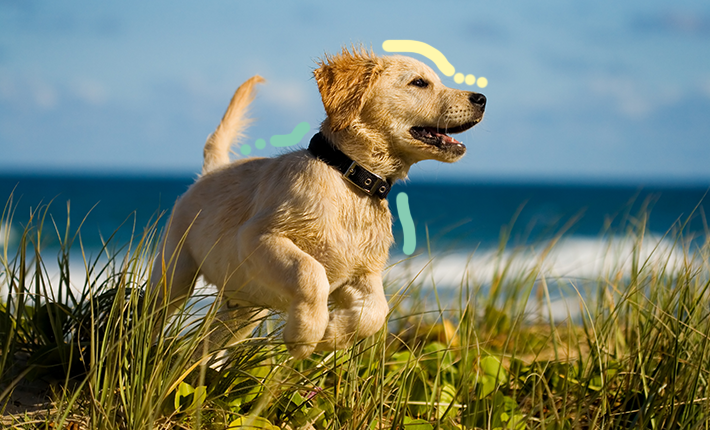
(449, 140)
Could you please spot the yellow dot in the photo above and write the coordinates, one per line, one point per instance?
(458, 78)
(470, 79)
(482, 82)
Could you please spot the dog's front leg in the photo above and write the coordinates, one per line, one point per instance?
(277, 263)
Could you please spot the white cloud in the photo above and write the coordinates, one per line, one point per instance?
(286, 94)
(44, 94)
(90, 92)
(632, 98)
(38, 92)
(7, 88)
(705, 87)
(21, 91)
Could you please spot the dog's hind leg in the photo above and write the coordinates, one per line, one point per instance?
(360, 311)
(233, 322)
(171, 282)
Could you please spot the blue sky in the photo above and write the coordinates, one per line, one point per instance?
(598, 91)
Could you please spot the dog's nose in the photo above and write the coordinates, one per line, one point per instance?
(478, 99)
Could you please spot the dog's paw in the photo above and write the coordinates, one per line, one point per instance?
(304, 329)
(300, 344)
(337, 336)
(347, 325)
(300, 350)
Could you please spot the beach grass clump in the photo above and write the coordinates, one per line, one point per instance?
(76, 332)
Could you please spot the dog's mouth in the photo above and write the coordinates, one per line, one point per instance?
(439, 137)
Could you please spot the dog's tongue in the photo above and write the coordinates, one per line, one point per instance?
(444, 137)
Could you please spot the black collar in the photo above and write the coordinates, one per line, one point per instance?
(354, 173)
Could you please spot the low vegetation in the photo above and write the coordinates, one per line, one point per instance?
(633, 352)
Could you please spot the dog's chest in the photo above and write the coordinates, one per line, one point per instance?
(350, 238)
(370, 237)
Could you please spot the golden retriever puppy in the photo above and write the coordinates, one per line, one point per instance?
(309, 232)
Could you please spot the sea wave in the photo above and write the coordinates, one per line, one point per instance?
(573, 268)
(573, 258)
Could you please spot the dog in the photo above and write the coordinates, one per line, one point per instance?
(309, 232)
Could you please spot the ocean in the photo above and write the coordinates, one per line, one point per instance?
(447, 215)
(459, 226)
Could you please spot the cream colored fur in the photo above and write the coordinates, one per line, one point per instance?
(289, 233)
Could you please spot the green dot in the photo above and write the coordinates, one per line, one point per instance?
(260, 144)
(245, 149)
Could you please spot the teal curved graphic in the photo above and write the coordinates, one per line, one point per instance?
(405, 218)
(280, 140)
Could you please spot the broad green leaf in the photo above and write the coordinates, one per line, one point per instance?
(416, 424)
(450, 425)
(492, 367)
(183, 396)
(244, 390)
(446, 397)
(595, 383)
(399, 361)
(419, 391)
(187, 397)
(316, 415)
(516, 422)
(437, 359)
(485, 385)
(252, 423)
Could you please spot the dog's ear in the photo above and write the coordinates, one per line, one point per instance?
(344, 82)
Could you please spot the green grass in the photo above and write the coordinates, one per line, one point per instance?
(636, 357)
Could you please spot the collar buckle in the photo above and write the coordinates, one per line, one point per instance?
(369, 182)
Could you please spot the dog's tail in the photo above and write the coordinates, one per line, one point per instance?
(232, 126)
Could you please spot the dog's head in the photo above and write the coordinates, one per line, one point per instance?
(391, 112)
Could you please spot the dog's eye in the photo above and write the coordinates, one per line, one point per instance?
(419, 83)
